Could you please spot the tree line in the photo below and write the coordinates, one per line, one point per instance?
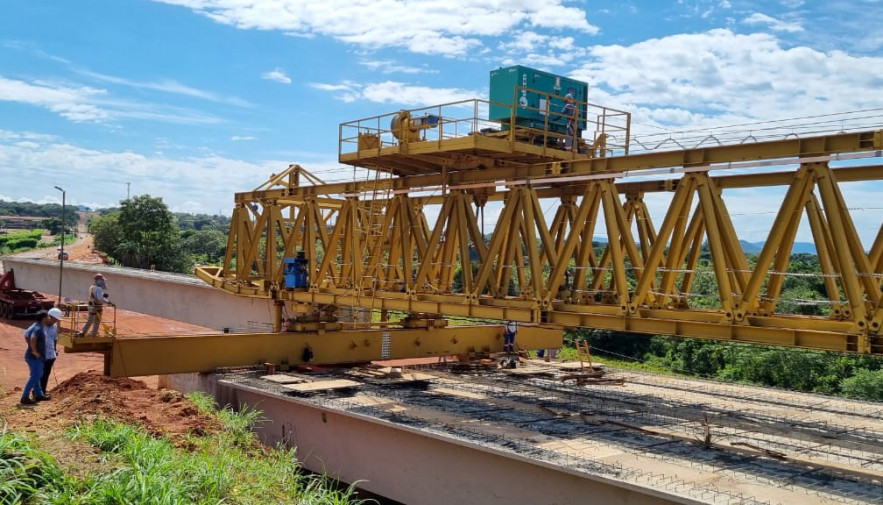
(144, 233)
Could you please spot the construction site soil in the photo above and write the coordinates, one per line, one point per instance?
(90, 395)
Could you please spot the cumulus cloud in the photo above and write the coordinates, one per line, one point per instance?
(720, 77)
(449, 28)
(277, 75)
(393, 92)
(540, 50)
(99, 177)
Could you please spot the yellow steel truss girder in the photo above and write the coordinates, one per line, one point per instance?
(769, 150)
(167, 354)
(787, 332)
(647, 271)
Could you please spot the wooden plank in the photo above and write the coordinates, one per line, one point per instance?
(282, 378)
(529, 370)
(325, 385)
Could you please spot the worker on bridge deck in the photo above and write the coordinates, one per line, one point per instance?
(97, 298)
(509, 336)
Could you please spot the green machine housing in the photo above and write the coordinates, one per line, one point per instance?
(551, 87)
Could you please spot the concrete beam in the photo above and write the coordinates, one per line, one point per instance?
(171, 296)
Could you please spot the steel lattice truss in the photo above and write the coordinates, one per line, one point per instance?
(383, 243)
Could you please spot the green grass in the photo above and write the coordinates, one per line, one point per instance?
(569, 354)
(18, 241)
(136, 467)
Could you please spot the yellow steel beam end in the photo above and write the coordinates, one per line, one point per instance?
(168, 354)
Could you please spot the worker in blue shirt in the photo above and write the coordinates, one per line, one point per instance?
(35, 356)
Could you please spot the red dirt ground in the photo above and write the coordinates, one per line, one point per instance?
(80, 391)
(78, 388)
(90, 395)
(14, 372)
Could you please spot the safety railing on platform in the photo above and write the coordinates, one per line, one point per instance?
(603, 131)
(560, 122)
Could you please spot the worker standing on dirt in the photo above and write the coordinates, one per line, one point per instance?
(35, 356)
(97, 299)
(51, 347)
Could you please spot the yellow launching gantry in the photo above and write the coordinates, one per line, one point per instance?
(406, 237)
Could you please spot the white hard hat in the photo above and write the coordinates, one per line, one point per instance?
(56, 313)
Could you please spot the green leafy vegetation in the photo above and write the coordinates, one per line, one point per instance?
(852, 375)
(144, 233)
(137, 468)
(21, 241)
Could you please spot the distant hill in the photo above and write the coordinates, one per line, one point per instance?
(799, 247)
(753, 247)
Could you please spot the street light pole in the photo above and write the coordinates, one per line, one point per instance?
(61, 254)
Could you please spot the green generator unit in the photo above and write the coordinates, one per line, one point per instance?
(550, 86)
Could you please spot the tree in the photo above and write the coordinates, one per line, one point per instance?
(53, 225)
(865, 384)
(149, 232)
(205, 246)
(107, 233)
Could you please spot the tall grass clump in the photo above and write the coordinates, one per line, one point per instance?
(226, 467)
(135, 467)
(25, 472)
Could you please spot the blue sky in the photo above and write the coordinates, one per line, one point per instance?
(193, 100)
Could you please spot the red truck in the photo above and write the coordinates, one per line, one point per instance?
(16, 302)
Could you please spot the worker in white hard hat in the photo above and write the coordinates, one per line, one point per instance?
(97, 298)
(51, 332)
(35, 356)
(509, 336)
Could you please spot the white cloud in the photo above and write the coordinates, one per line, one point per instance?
(774, 24)
(74, 103)
(393, 92)
(98, 178)
(277, 75)
(167, 86)
(719, 78)
(240, 138)
(391, 67)
(450, 28)
(84, 104)
(539, 50)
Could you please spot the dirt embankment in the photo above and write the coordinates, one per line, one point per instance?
(89, 395)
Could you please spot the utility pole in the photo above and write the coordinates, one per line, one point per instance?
(61, 254)
(128, 193)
